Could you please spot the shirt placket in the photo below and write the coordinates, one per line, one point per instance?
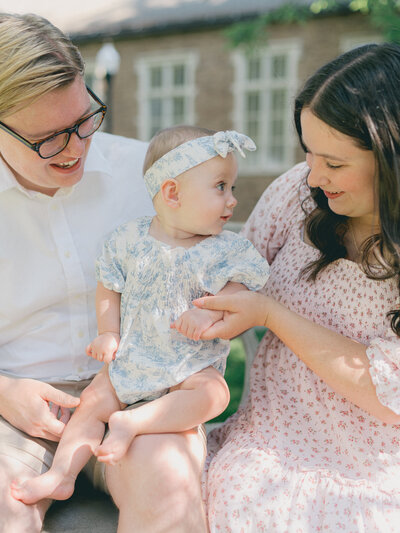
(75, 283)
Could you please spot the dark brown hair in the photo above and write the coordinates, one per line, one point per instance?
(358, 95)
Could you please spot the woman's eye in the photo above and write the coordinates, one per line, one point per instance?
(329, 165)
(221, 186)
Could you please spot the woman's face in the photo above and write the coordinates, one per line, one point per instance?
(341, 169)
(54, 111)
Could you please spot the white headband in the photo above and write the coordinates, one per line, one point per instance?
(193, 153)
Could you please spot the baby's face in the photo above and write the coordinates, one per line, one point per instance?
(206, 195)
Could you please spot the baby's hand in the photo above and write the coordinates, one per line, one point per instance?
(193, 323)
(104, 347)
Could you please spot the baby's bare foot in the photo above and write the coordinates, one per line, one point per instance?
(121, 435)
(49, 485)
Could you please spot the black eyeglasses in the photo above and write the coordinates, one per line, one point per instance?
(54, 144)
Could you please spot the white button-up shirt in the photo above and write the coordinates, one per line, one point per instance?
(48, 247)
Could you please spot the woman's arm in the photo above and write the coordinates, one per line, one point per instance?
(339, 361)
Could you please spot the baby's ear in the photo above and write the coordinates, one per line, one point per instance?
(170, 192)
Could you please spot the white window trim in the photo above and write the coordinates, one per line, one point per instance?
(293, 49)
(142, 66)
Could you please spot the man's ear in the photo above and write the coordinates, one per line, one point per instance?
(170, 193)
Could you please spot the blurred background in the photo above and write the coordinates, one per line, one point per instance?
(221, 64)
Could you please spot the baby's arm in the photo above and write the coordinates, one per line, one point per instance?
(199, 398)
(194, 322)
(105, 345)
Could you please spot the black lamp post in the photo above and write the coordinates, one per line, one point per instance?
(107, 65)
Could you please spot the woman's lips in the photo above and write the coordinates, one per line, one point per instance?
(333, 195)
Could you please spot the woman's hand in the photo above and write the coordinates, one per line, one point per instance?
(25, 404)
(242, 311)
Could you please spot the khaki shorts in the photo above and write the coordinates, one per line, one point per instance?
(38, 453)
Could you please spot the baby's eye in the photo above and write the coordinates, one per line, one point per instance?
(221, 186)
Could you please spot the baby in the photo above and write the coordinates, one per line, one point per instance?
(149, 334)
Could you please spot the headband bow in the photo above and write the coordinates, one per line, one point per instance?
(228, 141)
(193, 153)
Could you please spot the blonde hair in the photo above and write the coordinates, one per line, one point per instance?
(169, 138)
(35, 58)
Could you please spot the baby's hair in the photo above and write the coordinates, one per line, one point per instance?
(169, 138)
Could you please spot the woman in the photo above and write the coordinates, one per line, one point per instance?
(317, 446)
(59, 185)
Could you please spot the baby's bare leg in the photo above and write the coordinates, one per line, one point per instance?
(81, 437)
(194, 401)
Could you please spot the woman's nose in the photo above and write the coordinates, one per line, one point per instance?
(317, 176)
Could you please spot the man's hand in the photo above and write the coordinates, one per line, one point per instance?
(25, 404)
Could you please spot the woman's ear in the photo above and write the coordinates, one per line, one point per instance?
(170, 193)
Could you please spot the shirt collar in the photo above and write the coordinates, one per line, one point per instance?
(95, 162)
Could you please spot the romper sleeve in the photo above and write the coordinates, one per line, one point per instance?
(111, 263)
(384, 360)
(279, 207)
(233, 258)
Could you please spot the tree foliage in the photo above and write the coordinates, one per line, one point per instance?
(384, 15)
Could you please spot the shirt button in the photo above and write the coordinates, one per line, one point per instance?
(67, 254)
(54, 207)
(80, 334)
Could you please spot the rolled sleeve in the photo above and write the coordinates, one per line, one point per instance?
(384, 359)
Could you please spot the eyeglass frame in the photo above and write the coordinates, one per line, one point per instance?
(74, 129)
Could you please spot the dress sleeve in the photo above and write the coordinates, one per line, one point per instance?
(384, 359)
(236, 260)
(278, 208)
(110, 265)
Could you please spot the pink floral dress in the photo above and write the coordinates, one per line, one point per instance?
(298, 457)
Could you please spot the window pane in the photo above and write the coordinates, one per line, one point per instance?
(253, 102)
(155, 108)
(253, 128)
(278, 67)
(178, 109)
(156, 77)
(278, 99)
(254, 69)
(179, 75)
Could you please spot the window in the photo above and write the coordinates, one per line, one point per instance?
(265, 84)
(166, 91)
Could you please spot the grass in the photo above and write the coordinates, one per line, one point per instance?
(234, 376)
